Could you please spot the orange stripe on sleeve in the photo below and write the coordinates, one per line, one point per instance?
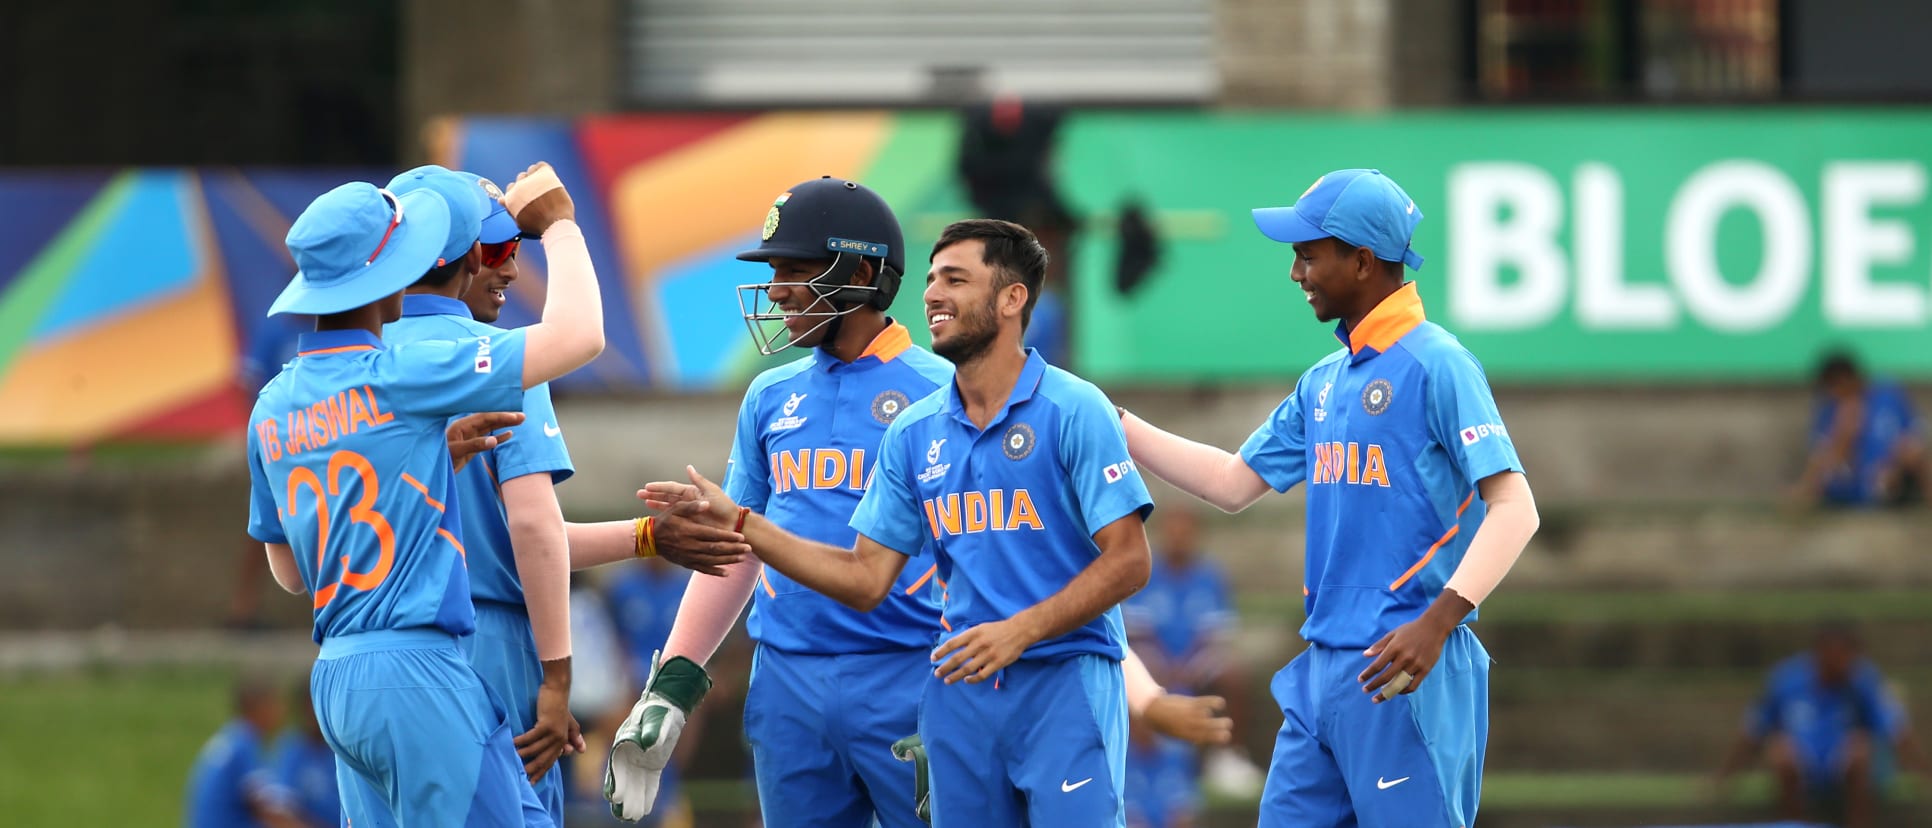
(767, 582)
(1426, 556)
(342, 350)
(418, 484)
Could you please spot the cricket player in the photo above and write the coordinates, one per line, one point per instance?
(831, 687)
(1033, 514)
(518, 543)
(513, 528)
(1417, 507)
(353, 490)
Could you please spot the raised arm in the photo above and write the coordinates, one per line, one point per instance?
(572, 331)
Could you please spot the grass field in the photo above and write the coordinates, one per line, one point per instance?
(113, 747)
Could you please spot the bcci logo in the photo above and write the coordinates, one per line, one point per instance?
(1018, 442)
(886, 406)
(489, 187)
(932, 454)
(771, 217)
(791, 404)
(1375, 397)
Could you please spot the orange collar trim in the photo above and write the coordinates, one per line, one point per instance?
(1391, 320)
(340, 350)
(889, 344)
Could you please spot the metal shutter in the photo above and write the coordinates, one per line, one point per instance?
(867, 52)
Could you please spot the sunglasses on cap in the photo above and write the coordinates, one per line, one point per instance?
(496, 255)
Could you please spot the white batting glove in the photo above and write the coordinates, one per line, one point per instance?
(649, 734)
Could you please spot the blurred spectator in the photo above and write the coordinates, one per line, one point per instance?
(270, 346)
(1006, 165)
(1865, 448)
(228, 786)
(304, 766)
(1163, 789)
(1827, 728)
(1182, 624)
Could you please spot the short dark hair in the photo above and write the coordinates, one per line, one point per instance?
(1837, 364)
(441, 274)
(1011, 250)
(1392, 270)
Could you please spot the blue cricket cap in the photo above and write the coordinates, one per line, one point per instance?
(498, 226)
(1361, 207)
(468, 205)
(356, 244)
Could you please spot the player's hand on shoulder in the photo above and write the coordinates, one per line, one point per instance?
(538, 199)
(474, 434)
(1198, 719)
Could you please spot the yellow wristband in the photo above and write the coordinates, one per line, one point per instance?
(643, 538)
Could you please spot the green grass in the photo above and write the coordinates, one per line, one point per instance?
(113, 747)
(109, 748)
(1740, 607)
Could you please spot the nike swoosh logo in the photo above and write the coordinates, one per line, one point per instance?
(551, 430)
(1383, 786)
(1066, 787)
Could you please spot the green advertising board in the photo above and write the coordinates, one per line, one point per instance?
(1671, 245)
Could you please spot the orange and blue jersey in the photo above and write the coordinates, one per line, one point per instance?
(1009, 511)
(807, 448)
(536, 447)
(349, 465)
(1391, 433)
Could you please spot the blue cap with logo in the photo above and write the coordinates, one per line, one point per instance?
(1363, 208)
(356, 244)
(499, 226)
(468, 205)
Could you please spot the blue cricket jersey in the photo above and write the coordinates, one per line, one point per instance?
(1181, 608)
(1889, 418)
(536, 447)
(227, 775)
(807, 448)
(1817, 717)
(304, 767)
(1010, 512)
(349, 465)
(644, 604)
(1391, 433)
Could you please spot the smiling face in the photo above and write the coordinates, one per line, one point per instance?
(806, 312)
(485, 296)
(1325, 270)
(962, 301)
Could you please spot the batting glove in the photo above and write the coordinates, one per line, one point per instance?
(913, 749)
(649, 734)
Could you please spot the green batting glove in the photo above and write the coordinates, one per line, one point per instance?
(913, 749)
(649, 734)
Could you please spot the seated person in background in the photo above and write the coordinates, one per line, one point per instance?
(304, 766)
(229, 787)
(1826, 727)
(1865, 448)
(1182, 624)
